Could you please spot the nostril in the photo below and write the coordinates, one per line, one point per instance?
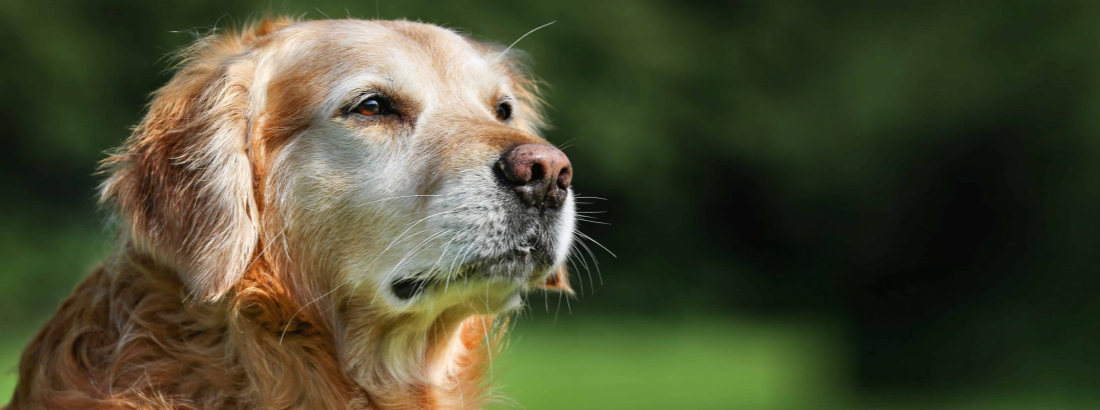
(565, 177)
(538, 172)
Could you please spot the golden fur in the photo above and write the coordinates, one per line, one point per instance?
(216, 295)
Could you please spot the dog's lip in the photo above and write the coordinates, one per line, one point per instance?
(410, 287)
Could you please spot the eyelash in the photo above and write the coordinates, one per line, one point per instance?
(383, 106)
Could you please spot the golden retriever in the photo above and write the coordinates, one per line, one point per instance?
(314, 215)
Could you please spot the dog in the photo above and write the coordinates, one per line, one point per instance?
(323, 214)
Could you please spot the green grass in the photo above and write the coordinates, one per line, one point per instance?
(697, 364)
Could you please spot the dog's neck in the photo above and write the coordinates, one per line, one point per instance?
(420, 363)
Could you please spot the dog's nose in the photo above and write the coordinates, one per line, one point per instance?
(539, 173)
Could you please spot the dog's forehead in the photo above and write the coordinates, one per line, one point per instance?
(426, 62)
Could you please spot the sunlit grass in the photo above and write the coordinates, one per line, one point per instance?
(668, 364)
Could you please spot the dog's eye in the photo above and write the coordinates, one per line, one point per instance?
(376, 105)
(504, 111)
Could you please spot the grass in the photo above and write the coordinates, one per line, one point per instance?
(694, 364)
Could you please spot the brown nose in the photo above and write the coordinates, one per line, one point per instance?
(539, 173)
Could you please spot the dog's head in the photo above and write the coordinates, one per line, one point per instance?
(395, 165)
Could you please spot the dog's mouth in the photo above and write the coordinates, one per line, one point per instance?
(521, 266)
(406, 289)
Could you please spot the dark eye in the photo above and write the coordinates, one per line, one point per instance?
(504, 111)
(375, 105)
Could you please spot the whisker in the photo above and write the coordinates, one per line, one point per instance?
(411, 253)
(295, 315)
(396, 197)
(466, 252)
(412, 225)
(402, 236)
(488, 345)
(447, 246)
(399, 238)
(270, 241)
(546, 300)
(447, 275)
(593, 222)
(502, 53)
(595, 261)
(558, 309)
(595, 242)
(573, 255)
(575, 251)
(451, 269)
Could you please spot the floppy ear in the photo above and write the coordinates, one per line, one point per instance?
(558, 281)
(183, 183)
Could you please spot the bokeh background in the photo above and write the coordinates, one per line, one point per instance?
(815, 205)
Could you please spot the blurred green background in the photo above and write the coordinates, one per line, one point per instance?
(815, 205)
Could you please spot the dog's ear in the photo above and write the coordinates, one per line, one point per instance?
(182, 184)
(558, 281)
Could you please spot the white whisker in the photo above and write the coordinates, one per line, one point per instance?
(592, 222)
(502, 53)
(295, 315)
(415, 251)
(396, 197)
(595, 242)
(595, 263)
